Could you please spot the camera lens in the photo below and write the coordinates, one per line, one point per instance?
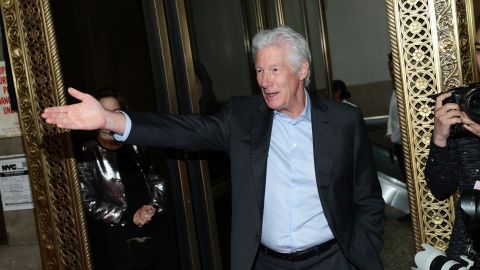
(475, 102)
(472, 104)
(470, 204)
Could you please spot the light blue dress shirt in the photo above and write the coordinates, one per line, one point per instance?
(293, 217)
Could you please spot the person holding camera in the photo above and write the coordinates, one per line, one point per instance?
(454, 162)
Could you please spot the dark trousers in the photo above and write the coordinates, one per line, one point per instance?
(332, 258)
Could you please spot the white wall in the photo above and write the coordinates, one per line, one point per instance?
(220, 32)
(359, 42)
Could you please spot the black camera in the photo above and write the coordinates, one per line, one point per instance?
(468, 98)
(470, 204)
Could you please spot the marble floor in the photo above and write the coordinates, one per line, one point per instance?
(398, 251)
(22, 251)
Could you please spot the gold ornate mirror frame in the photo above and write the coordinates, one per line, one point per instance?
(432, 47)
(38, 83)
(432, 51)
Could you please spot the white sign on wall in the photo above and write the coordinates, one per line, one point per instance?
(9, 123)
(14, 183)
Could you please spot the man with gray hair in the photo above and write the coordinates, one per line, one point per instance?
(305, 193)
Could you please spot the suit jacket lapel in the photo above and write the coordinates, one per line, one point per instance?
(260, 144)
(323, 142)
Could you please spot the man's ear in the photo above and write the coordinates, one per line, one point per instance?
(304, 70)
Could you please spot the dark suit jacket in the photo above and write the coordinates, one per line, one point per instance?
(345, 171)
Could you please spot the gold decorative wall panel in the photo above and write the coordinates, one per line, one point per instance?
(431, 53)
(36, 72)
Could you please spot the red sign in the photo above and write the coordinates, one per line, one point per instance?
(9, 123)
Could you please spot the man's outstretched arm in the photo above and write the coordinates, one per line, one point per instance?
(88, 114)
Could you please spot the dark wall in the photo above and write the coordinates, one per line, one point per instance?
(102, 43)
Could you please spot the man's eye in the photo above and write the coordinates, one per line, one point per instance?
(259, 71)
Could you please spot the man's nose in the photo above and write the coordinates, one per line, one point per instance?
(265, 80)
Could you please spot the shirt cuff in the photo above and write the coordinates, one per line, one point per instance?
(128, 126)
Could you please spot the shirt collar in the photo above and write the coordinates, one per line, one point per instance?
(304, 116)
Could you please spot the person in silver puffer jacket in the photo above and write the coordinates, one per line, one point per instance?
(124, 198)
(102, 185)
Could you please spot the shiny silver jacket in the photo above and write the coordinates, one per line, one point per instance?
(102, 188)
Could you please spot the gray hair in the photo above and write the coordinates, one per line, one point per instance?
(284, 36)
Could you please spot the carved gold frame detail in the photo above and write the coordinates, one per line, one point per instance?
(38, 83)
(432, 51)
(432, 47)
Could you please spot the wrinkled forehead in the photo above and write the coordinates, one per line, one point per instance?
(272, 55)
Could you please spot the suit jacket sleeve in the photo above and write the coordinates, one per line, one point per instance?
(188, 132)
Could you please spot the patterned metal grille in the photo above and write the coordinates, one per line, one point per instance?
(428, 59)
(60, 222)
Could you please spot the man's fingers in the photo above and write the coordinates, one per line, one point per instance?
(440, 98)
(449, 107)
(450, 120)
(59, 119)
(447, 112)
(77, 94)
(65, 108)
(56, 109)
(52, 118)
(466, 119)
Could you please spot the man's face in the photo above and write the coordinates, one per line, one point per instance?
(477, 50)
(282, 87)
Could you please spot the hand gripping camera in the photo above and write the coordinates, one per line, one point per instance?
(468, 99)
